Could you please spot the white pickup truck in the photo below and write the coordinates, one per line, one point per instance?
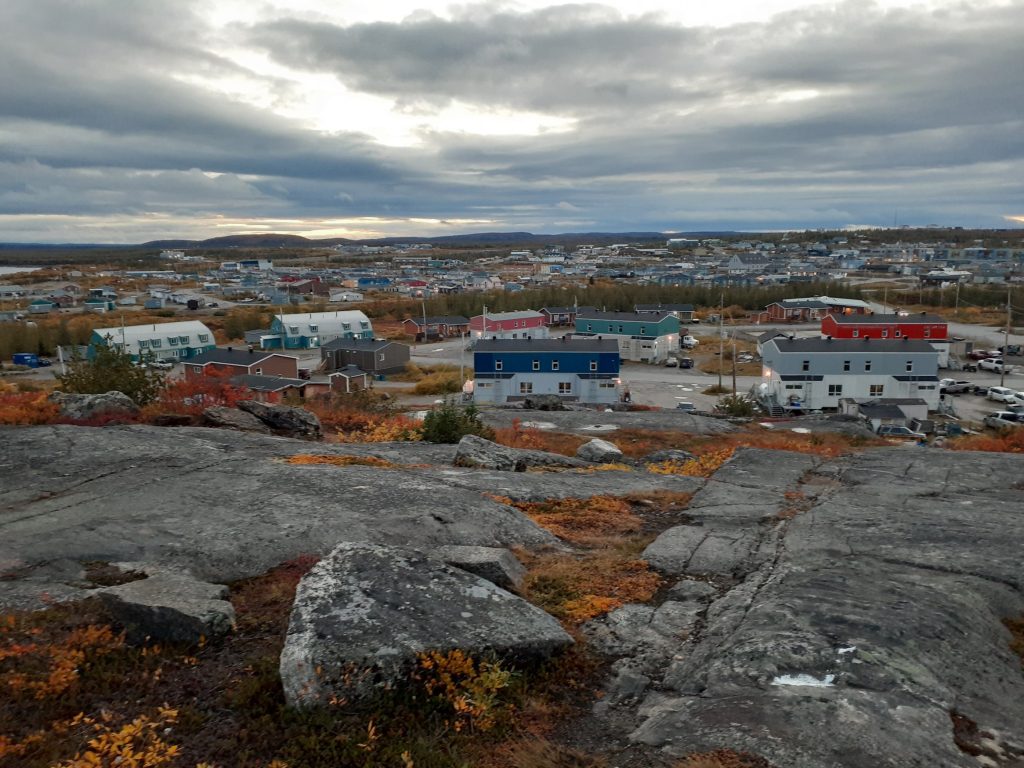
(994, 364)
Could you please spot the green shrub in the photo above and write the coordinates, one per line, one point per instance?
(110, 370)
(449, 423)
(735, 405)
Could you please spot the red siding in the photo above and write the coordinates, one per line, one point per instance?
(905, 327)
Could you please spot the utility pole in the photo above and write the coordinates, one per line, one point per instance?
(1006, 340)
(956, 307)
(721, 340)
(734, 361)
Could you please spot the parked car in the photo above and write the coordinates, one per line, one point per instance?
(981, 354)
(994, 364)
(45, 362)
(163, 365)
(687, 407)
(671, 363)
(900, 432)
(1003, 419)
(689, 342)
(954, 386)
(1002, 395)
(686, 362)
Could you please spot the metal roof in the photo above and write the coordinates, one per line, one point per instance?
(923, 317)
(267, 383)
(786, 344)
(642, 317)
(361, 345)
(233, 357)
(565, 344)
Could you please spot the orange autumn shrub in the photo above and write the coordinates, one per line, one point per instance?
(191, 395)
(27, 408)
(1007, 441)
(531, 438)
(340, 461)
(699, 466)
(582, 521)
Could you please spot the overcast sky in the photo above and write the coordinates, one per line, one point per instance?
(129, 121)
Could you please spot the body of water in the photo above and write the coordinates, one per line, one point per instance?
(12, 270)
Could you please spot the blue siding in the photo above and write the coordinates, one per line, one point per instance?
(568, 362)
(668, 325)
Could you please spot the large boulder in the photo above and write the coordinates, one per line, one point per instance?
(293, 422)
(170, 607)
(477, 452)
(599, 451)
(365, 612)
(543, 403)
(496, 564)
(83, 407)
(233, 418)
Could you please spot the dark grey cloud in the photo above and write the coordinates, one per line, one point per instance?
(818, 117)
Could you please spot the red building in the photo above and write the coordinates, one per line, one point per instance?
(526, 324)
(810, 309)
(923, 327)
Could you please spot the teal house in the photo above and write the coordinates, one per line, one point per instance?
(647, 337)
(163, 341)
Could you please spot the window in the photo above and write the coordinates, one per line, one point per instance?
(536, 365)
(143, 344)
(806, 365)
(885, 333)
(173, 341)
(643, 330)
(910, 366)
(314, 328)
(483, 385)
(794, 386)
(204, 337)
(621, 329)
(867, 365)
(590, 326)
(257, 371)
(593, 365)
(346, 326)
(898, 333)
(554, 365)
(926, 386)
(364, 324)
(497, 365)
(927, 333)
(156, 343)
(565, 387)
(525, 387)
(293, 329)
(197, 369)
(876, 390)
(846, 365)
(380, 357)
(606, 385)
(835, 390)
(856, 334)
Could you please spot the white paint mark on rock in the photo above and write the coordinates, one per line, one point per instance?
(806, 681)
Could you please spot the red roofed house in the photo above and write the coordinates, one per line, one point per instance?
(920, 327)
(526, 324)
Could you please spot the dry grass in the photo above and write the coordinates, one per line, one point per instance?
(1007, 441)
(1016, 627)
(531, 438)
(584, 522)
(723, 758)
(341, 461)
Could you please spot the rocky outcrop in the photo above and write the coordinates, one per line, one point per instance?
(285, 420)
(170, 607)
(363, 614)
(671, 454)
(84, 407)
(499, 566)
(480, 453)
(543, 403)
(599, 451)
(233, 418)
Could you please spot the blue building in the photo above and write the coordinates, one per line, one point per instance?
(313, 330)
(577, 370)
(163, 341)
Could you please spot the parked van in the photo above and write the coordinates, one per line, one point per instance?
(1002, 395)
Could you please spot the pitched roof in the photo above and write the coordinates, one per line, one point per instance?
(564, 344)
(267, 383)
(923, 317)
(787, 344)
(441, 320)
(649, 317)
(520, 315)
(362, 345)
(664, 307)
(349, 371)
(231, 356)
